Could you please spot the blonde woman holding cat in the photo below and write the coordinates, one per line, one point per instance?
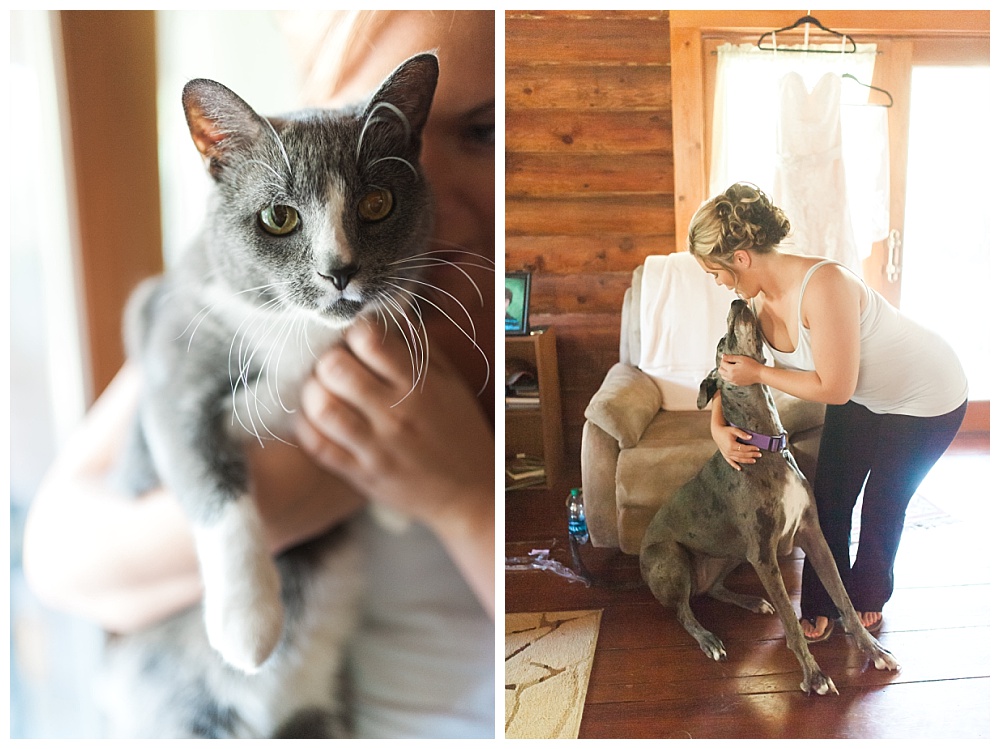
(422, 662)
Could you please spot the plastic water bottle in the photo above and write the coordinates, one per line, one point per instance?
(577, 521)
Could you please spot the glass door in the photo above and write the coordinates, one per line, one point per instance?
(935, 264)
(948, 212)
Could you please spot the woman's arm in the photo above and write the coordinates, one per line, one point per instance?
(728, 438)
(96, 553)
(427, 453)
(126, 563)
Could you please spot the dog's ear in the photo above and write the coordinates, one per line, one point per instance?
(708, 388)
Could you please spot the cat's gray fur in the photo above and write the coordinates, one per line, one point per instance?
(224, 341)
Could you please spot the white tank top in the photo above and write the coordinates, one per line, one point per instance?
(905, 368)
(422, 663)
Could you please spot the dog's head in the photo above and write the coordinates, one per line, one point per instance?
(742, 338)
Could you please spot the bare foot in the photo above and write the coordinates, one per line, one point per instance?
(870, 620)
(818, 631)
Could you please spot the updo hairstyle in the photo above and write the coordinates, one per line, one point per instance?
(741, 218)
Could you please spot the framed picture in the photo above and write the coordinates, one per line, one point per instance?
(517, 292)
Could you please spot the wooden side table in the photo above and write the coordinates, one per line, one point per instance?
(534, 424)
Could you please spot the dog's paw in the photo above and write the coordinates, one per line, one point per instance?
(819, 683)
(712, 647)
(765, 607)
(755, 604)
(884, 660)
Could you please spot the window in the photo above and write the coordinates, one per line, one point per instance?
(949, 206)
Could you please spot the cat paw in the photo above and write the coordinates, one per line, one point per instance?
(245, 626)
(244, 616)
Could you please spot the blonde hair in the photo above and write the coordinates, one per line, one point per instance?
(324, 43)
(330, 46)
(741, 218)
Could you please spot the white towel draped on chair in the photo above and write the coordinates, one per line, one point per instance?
(682, 317)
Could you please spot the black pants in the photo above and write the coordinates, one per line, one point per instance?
(894, 453)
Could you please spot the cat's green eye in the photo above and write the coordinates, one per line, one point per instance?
(375, 205)
(279, 219)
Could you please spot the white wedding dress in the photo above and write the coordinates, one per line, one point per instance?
(810, 183)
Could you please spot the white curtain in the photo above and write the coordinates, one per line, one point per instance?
(745, 133)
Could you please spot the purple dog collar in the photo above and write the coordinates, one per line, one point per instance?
(765, 442)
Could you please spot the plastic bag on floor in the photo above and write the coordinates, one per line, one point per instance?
(540, 559)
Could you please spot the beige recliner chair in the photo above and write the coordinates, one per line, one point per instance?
(643, 436)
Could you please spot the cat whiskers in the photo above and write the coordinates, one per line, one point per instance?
(415, 335)
(373, 119)
(278, 185)
(431, 259)
(202, 314)
(400, 159)
(451, 248)
(243, 360)
(281, 146)
(416, 297)
(427, 260)
(252, 334)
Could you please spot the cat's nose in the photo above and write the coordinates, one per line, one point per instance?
(341, 276)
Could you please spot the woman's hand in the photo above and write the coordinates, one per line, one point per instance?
(735, 452)
(426, 452)
(727, 438)
(740, 370)
(417, 450)
(297, 499)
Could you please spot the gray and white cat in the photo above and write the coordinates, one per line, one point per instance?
(315, 219)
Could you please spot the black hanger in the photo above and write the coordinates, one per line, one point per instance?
(873, 88)
(800, 22)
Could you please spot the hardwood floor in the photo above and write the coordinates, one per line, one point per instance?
(650, 679)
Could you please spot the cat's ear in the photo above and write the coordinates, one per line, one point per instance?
(221, 123)
(409, 89)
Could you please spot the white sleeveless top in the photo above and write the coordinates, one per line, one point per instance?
(905, 368)
(422, 663)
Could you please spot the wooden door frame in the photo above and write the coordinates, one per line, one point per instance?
(110, 93)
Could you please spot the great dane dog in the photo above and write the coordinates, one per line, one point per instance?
(722, 517)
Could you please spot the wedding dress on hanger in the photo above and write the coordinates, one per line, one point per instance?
(866, 159)
(810, 183)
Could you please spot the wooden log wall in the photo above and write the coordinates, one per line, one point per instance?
(589, 177)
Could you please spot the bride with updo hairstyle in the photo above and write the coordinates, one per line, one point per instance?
(741, 218)
(895, 392)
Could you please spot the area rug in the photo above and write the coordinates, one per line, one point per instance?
(921, 514)
(547, 666)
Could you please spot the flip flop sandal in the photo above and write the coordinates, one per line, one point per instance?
(825, 634)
